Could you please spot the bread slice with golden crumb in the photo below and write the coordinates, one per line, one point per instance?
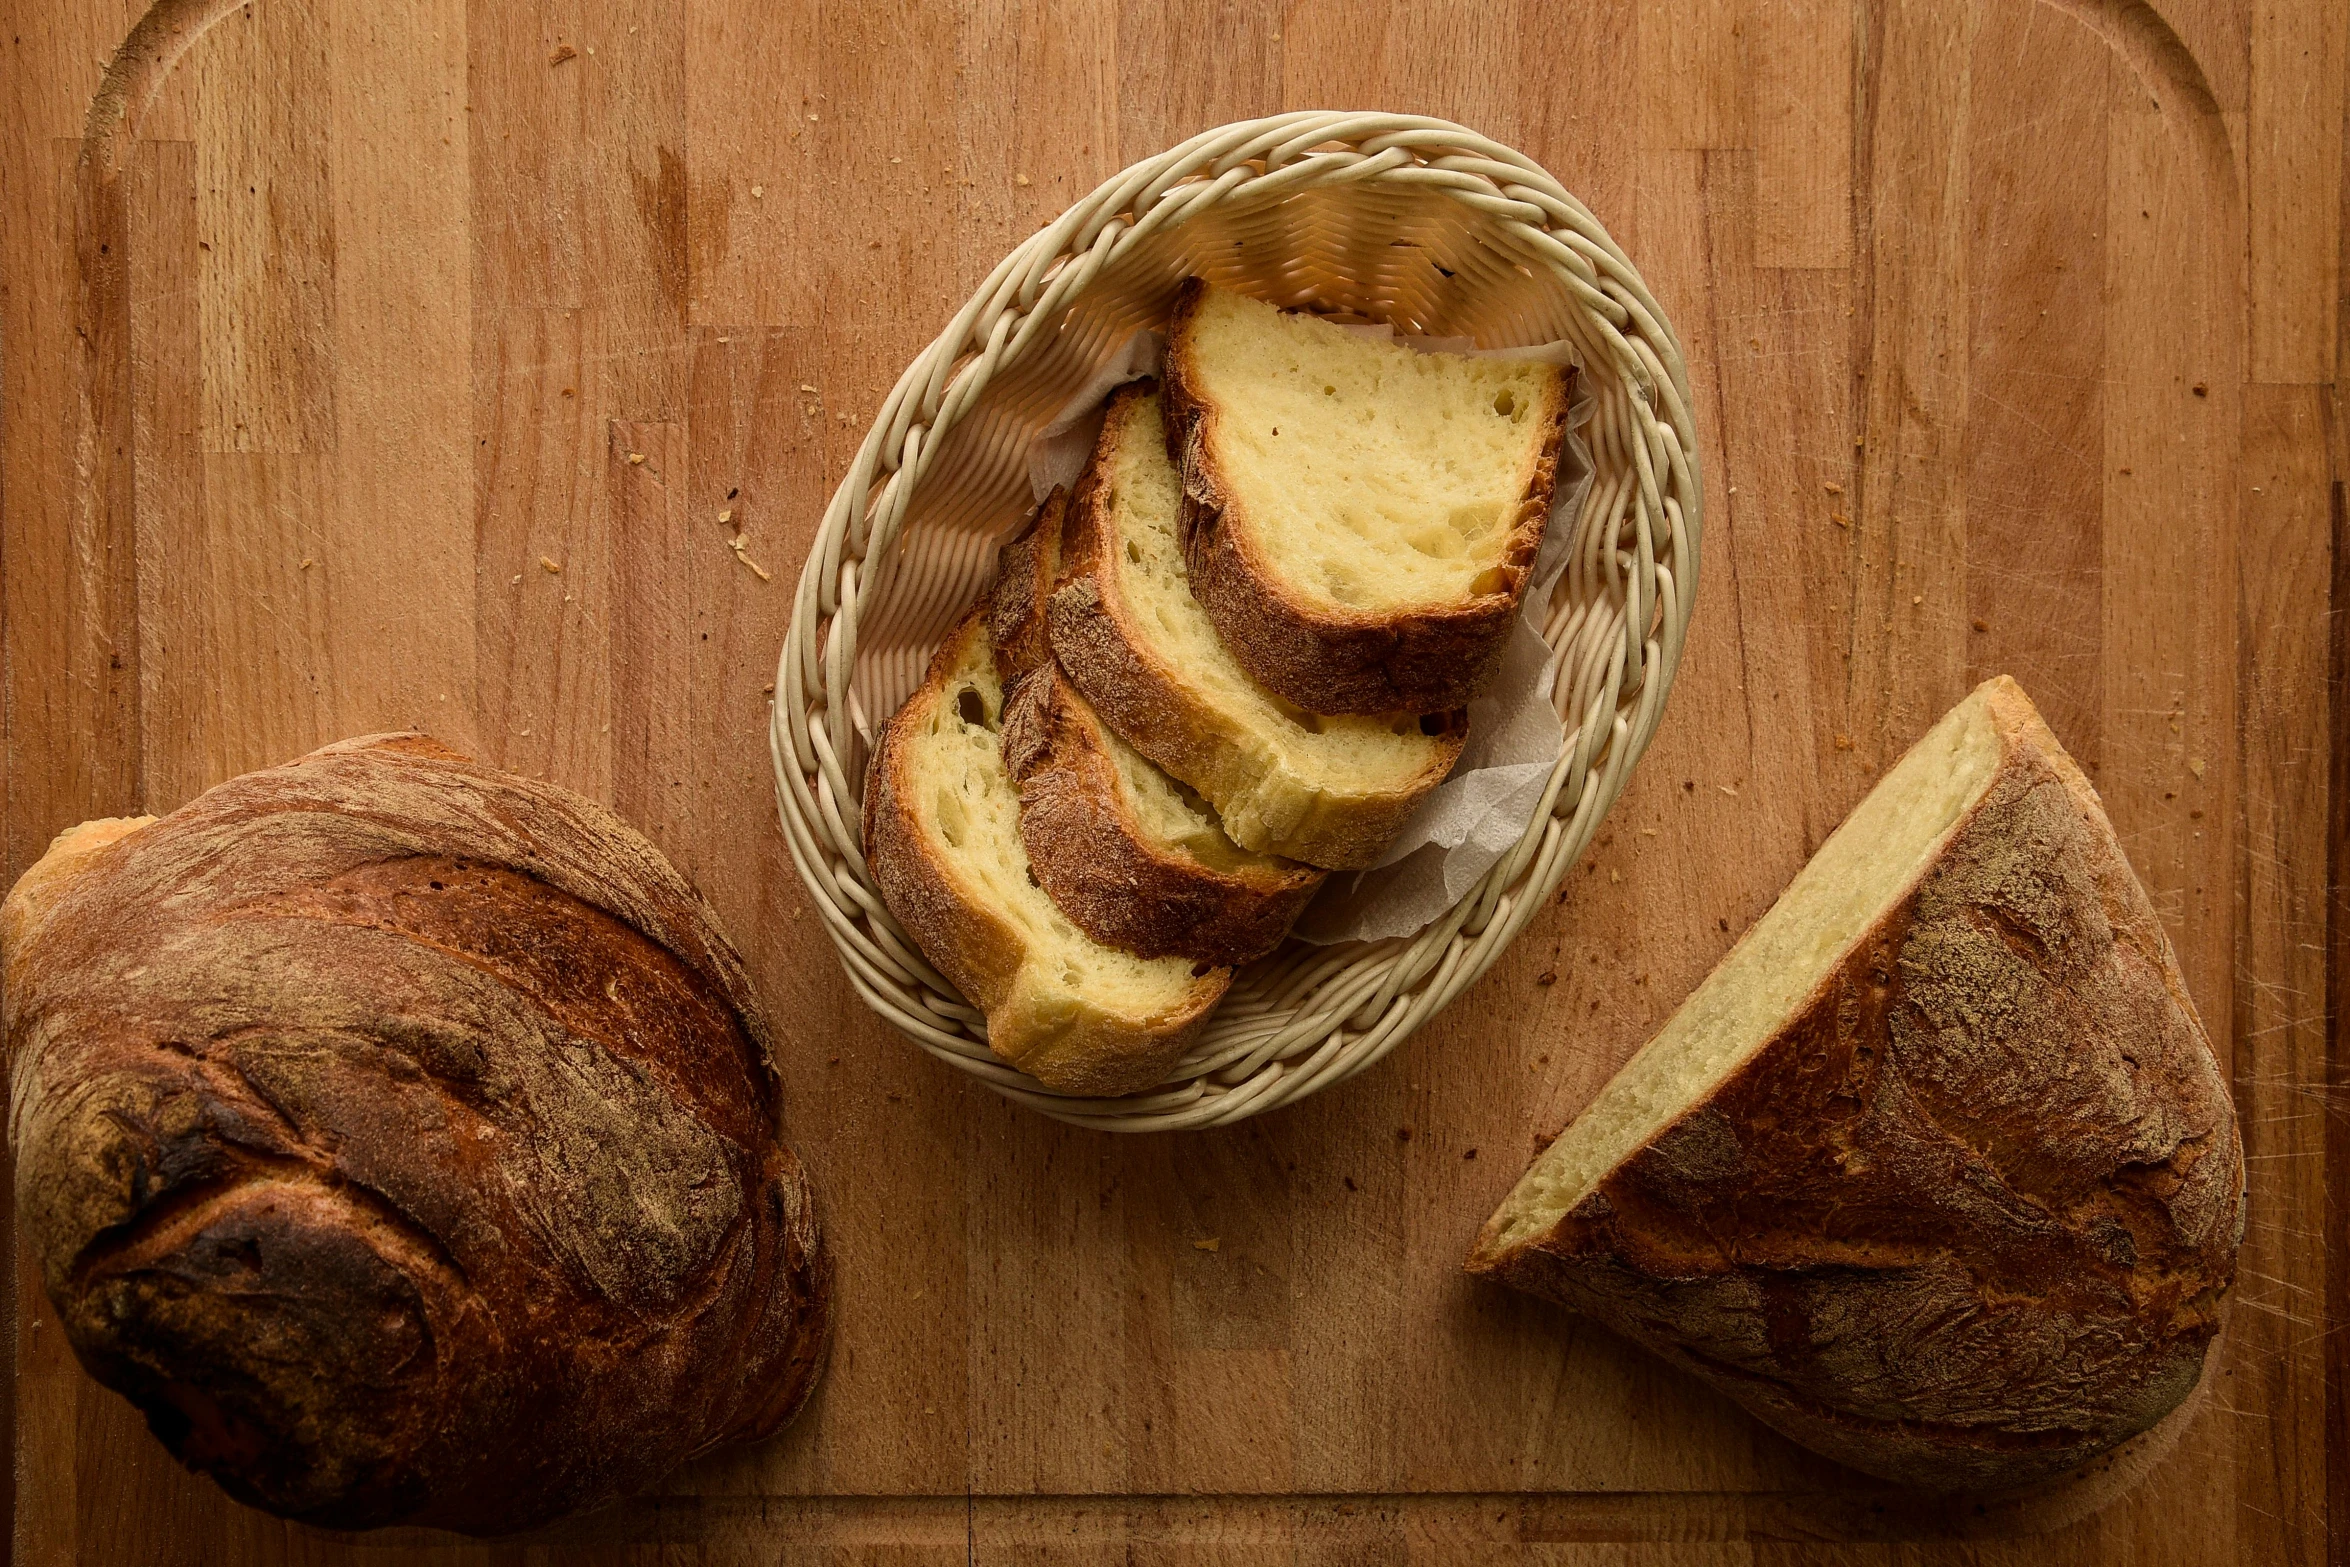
(1138, 860)
(1360, 520)
(942, 838)
(1330, 791)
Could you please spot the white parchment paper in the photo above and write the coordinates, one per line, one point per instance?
(1470, 821)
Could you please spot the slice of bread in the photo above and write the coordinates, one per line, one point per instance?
(1360, 519)
(1329, 791)
(942, 837)
(1936, 1173)
(1135, 858)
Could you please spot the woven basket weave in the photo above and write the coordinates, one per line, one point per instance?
(1409, 220)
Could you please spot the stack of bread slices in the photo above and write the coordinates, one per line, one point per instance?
(1234, 659)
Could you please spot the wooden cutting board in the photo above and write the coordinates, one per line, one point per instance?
(2017, 338)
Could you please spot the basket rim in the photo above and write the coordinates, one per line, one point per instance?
(1376, 994)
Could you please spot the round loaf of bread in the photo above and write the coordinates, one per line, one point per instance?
(402, 1137)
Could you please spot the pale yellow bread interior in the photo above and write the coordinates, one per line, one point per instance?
(1369, 476)
(1173, 817)
(1867, 865)
(1282, 757)
(966, 803)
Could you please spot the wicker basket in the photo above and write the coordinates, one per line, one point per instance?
(1396, 217)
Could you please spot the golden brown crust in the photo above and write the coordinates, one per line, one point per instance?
(1027, 569)
(401, 1136)
(1088, 1051)
(1428, 661)
(1094, 861)
(1152, 709)
(1967, 1221)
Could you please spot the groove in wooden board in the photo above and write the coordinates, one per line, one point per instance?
(2335, 995)
(2300, 73)
(2281, 1062)
(2035, 455)
(2215, 34)
(1802, 95)
(263, 95)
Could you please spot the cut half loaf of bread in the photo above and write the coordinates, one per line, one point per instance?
(1360, 519)
(942, 837)
(1136, 859)
(1328, 791)
(1936, 1173)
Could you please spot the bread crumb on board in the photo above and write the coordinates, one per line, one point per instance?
(736, 544)
(1210, 1244)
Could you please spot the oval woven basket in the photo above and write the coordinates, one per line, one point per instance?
(1409, 220)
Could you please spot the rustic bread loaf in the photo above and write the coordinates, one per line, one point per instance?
(942, 837)
(1134, 858)
(400, 1135)
(1360, 519)
(1328, 791)
(1936, 1172)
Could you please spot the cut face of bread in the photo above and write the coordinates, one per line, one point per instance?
(1360, 519)
(1936, 1172)
(1138, 860)
(1328, 791)
(942, 835)
(1866, 865)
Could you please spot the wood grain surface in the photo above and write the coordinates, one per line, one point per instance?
(330, 344)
